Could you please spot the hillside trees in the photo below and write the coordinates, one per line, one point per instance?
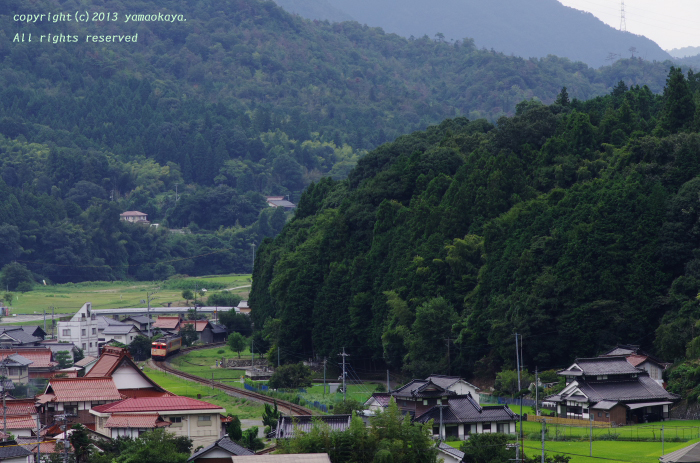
(573, 225)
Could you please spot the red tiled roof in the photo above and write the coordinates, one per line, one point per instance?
(108, 362)
(81, 390)
(155, 404)
(144, 392)
(20, 406)
(46, 448)
(167, 323)
(125, 420)
(200, 325)
(20, 422)
(635, 360)
(85, 361)
(40, 357)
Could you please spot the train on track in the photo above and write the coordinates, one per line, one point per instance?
(165, 347)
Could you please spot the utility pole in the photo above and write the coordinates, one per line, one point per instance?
(543, 425)
(537, 390)
(517, 357)
(44, 321)
(253, 266)
(38, 438)
(4, 408)
(662, 440)
(441, 428)
(590, 438)
(388, 388)
(53, 324)
(345, 389)
(447, 340)
(324, 375)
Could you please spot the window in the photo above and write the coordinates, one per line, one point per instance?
(607, 415)
(71, 409)
(486, 427)
(94, 331)
(13, 371)
(204, 418)
(176, 419)
(66, 332)
(502, 428)
(90, 344)
(600, 414)
(425, 402)
(83, 346)
(83, 332)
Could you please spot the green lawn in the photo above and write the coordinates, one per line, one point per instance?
(68, 298)
(243, 408)
(202, 363)
(643, 452)
(672, 429)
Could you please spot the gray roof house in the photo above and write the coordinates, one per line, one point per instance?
(140, 322)
(449, 454)
(462, 415)
(124, 333)
(288, 425)
(12, 336)
(11, 452)
(611, 389)
(220, 450)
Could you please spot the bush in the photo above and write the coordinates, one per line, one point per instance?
(220, 351)
(608, 436)
(291, 376)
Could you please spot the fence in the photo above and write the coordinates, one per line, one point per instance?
(568, 421)
(489, 399)
(300, 400)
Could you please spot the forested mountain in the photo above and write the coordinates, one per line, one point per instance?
(574, 224)
(314, 9)
(234, 100)
(535, 28)
(685, 52)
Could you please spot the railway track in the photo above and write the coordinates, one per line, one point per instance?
(283, 405)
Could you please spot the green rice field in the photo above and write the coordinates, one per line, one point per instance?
(68, 298)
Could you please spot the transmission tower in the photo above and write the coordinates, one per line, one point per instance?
(623, 23)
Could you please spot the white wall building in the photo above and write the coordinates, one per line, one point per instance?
(81, 330)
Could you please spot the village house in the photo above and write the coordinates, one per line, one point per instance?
(124, 333)
(42, 364)
(279, 201)
(81, 330)
(76, 396)
(134, 217)
(640, 359)
(140, 321)
(16, 368)
(168, 324)
(198, 420)
(418, 396)
(611, 389)
(462, 415)
(14, 336)
(220, 451)
(205, 333)
(287, 426)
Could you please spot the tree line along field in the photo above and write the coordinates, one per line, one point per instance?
(69, 297)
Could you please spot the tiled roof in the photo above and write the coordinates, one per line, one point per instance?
(125, 420)
(41, 357)
(216, 328)
(103, 322)
(242, 305)
(689, 453)
(155, 404)
(83, 389)
(225, 444)
(88, 359)
(20, 335)
(132, 214)
(199, 325)
(447, 381)
(287, 425)
(20, 406)
(120, 329)
(55, 346)
(10, 449)
(140, 319)
(636, 360)
(16, 360)
(106, 364)
(640, 388)
(459, 455)
(145, 392)
(464, 409)
(167, 323)
(281, 203)
(421, 388)
(382, 399)
(46, 448)
(600, 366)
(20, 422)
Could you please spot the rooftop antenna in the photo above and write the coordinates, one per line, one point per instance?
(623, 23)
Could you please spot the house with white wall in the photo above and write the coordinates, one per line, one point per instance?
(81, 330)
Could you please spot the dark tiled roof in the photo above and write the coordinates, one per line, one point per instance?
(447, 381)
(119, 329)
(640, 388)
(421, 388)
(216, 328)
(18, 334)
(287, 424)
(16, 360)
(600, 366)
(10, 449)
(143, 319)
(464, 409)
(459, 455)
(225, 444)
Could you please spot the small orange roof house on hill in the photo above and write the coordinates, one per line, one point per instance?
(167, 323)
(134, 216)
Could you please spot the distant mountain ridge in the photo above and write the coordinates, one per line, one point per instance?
(536, 29)
(314, 9)
(684, 52)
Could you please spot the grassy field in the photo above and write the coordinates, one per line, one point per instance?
(68, 298)
(203, 363)
(642, 452)
(245, 409)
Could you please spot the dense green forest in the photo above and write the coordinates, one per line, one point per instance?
(574, 224)
(198, 119)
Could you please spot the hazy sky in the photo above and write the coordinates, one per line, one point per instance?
(670, 23)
